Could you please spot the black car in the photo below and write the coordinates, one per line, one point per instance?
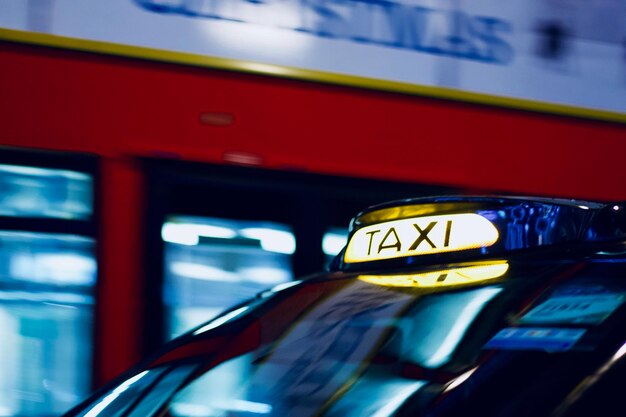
(449, 306)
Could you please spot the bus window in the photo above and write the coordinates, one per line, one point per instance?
(28, 191)
(48, 273)
(333, 242)
(212, 264)
(46, 320)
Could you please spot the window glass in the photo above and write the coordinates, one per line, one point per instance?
(28, 258)
(219, 392)
(46, 321)
(42, 192)
(118, 400)
(212, 264)
(161, 392)
(323, 344)
(333, 242)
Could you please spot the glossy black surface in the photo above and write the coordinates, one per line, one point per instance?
(336, 345)
(534, 325)
(522, 224)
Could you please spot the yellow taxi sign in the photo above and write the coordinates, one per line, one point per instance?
(442, 278)
(420, 236)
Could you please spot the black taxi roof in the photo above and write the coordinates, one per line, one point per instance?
(531, 330)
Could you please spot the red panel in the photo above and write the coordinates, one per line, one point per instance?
(121, 108)
(73, 101)
(202, 347)
(119, 307)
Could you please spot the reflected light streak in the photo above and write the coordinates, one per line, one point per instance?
(265, 68)
(244, 406)
(200, 410)
(264, 275)
(588, 383)
(459, 380)
(175, 233)
(44, 172)
(442, 278)
(620, 352)
(220, 232)
(221, 320)
(260, 35)
(471, 310)
(45, 237)
(47, 297)
(191, 410)
(203, 272)
(57, 268)
(333, 243)
(97, 409)
(396, 401)
(189, 233)
(68, 268)
(272, 240)
(284, 286)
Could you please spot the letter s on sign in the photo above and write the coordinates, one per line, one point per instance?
(487, 29)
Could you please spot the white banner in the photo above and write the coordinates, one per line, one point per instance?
(570, 52)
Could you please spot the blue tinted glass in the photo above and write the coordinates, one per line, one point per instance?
(28, 259)
(329, 348)
(41, 192)
(46, 322)
(213, 264)
(333, 242)
(119, 400)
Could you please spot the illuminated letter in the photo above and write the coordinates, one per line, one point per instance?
(396, 245)
(446, 241)
(369, 248)
(423, 236)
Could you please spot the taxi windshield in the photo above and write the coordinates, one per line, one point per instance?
(321, 347)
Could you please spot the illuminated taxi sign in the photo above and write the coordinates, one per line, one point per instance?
(420, 236)
(443, 278)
